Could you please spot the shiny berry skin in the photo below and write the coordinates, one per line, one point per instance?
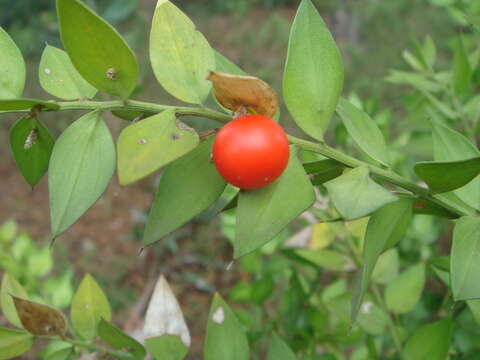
(251, 151)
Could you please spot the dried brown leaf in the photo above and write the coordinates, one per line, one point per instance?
(234, 91)
(39, 319)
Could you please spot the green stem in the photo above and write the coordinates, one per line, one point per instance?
(317, 147)
(91, 346)
(373, 289)
(98, 348)
(385, 174)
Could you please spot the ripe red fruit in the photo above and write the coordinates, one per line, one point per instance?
(251, 151)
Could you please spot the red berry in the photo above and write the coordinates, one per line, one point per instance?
(251, 151)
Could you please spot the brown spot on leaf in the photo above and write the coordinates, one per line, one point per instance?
(182, 126)
(39, 319)
(175, 136)
(111, 74)
(420, 204)
(233, 92)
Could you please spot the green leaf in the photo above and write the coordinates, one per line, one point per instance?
(320, 166)
(57, 350)
(263, 213)
(81, 166)
(26, 104)
(12, 68)
(441, 106)
(474, 21)
(418, 81)
(313, 77)
(262, 289)
(386, 268)
(59, 289)
(441, 262)
(152, 143)
(448, 175)
(474, 306)
(327, 259)
(132, 115)
(385, 228)
(451, 198)
(415, 63)
(8, 231)
(40, 262)
(224, 65)
(462, 70)
(96, 49)
(429, 51)
(279, 350)
(364, 131)
(188, 186)
(10, 287)
(428, 207)
(464, 266)
(89, 305)
(180, 55)
(31, 145)
(225, 338)
(119, 340)
(14, 343)
(450, 145)
(355, 195)
(59, 77)
(430, 342)
(404, 292)
(323, 170)
(166, 347)
(227, 200)
(372, 318)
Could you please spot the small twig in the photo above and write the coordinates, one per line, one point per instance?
(207, 133)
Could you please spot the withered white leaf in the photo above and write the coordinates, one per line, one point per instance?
(164, 315)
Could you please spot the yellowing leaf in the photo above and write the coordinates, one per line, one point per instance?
(181, 57)
(12, 68)
(10, 286)
(89, 305)
(322, 235)
(234, 91)
(358, 227)
(148, 145)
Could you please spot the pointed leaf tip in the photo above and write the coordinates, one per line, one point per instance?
(94, 47)
(181, 57)
(313, 77)
(164, 315)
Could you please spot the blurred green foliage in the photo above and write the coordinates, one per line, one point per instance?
(28, 21)
(240, 7)
(33, 266)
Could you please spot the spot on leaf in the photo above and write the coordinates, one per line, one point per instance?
(218, 316)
